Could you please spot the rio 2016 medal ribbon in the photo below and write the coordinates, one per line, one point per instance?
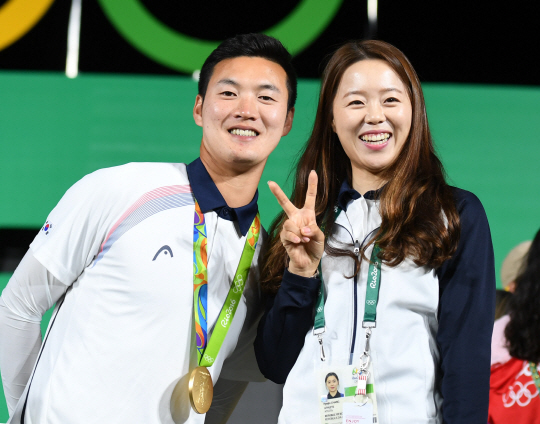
(201, 388)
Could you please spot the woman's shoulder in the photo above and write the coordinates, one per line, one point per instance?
(466, 200)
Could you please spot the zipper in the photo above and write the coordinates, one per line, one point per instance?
(355, 317)
(356, 251)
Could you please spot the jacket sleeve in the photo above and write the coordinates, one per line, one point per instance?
(466, 312)
(283, 327)
(31, 291)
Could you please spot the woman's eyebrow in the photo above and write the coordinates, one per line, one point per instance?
(386, 90)
(363, 93)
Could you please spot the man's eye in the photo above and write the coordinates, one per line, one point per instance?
(228, 93)
(266, 98)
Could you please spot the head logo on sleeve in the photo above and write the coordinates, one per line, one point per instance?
(47, 227)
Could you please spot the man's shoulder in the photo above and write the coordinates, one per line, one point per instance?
(137, 177)
(142, 170)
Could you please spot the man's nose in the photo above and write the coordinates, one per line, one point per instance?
(247, 108)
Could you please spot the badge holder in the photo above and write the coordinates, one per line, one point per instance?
(347, 393)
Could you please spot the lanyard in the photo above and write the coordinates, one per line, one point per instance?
(207, 350)
(319, 325)
(370, 311)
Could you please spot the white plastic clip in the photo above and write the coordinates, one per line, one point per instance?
(319, 333)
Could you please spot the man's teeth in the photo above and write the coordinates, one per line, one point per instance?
(375, 138)
(245, 133)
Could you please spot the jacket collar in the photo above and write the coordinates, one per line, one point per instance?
(209, 198)
(348, 194)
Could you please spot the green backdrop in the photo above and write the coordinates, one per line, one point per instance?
(54, 130)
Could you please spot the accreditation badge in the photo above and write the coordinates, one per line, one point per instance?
(338, 400)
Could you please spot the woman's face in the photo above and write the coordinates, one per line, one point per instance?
(332, 384)
(372, 116)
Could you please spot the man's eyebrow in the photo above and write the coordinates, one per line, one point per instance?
(265, 86)
(228, 81)
(270, 87)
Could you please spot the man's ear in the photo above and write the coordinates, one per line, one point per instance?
(288, 122)
(197, 110)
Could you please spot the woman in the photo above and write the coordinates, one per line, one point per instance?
(423, 339)
(332, 384)
(515, 384)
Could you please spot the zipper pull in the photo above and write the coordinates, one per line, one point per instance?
(356, 248)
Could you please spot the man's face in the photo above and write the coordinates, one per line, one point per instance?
(244, 112)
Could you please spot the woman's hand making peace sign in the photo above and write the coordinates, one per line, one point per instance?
(302, 238)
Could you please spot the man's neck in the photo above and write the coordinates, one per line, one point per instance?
(237, 186)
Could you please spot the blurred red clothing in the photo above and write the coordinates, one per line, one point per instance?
(513, 396)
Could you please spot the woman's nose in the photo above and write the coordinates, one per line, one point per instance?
(375, 114)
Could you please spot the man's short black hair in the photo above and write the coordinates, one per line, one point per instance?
(251, 45)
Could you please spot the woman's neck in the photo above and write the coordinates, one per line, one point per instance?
(364, 181)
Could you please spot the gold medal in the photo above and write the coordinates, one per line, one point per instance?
(201, 390)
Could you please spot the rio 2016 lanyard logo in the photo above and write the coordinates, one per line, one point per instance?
(200, 381)
(207, 350)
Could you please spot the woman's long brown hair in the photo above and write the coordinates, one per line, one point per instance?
(419, 216)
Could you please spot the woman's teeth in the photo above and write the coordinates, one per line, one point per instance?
(375, 138)
(245, 133)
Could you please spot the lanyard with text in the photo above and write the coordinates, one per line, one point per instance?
(370, 311)
(207, 350)
(370, 314)
(372, 299)
(319, 325)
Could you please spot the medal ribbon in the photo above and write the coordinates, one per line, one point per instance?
(534, 371)
(207, 350)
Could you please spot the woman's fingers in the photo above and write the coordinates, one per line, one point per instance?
(313, 232)
(282, 199)
(311, 194)
(290, 232)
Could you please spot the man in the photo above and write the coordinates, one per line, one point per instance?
(124, 252)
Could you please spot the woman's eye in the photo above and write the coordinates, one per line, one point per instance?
(392, 99)
(355, 103)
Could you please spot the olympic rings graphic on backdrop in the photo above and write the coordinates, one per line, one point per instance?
(163, 44)
(187, 54)
(370, 302)
(17, 17)
(520, 394)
